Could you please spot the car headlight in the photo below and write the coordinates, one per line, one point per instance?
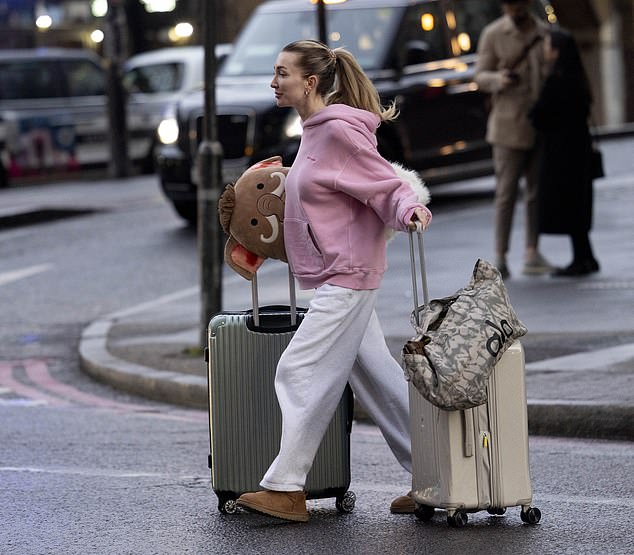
(293, 126)
(168, 131)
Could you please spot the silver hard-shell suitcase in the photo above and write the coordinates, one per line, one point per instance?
(476, 459)
(245, 421)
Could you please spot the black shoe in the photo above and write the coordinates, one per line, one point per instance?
(580, 268)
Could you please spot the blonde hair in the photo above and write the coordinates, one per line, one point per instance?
(341, 80)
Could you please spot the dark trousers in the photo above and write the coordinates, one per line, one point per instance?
(581, 248)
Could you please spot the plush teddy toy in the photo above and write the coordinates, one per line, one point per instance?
(252, 214)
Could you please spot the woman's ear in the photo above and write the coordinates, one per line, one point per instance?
(311, 82)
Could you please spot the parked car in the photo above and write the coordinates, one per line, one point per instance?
(53, 112)
(157, 79)
(419, 53)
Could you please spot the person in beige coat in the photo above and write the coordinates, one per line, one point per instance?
(511, 67)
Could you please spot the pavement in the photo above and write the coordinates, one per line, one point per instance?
(579, 349)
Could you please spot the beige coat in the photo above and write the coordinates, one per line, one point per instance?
(501, 43)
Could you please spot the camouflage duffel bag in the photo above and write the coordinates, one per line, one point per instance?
(460, 339)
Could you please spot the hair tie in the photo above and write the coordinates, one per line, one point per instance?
(332, 54)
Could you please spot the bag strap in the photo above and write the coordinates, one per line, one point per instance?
(527, 48)
(423, 272)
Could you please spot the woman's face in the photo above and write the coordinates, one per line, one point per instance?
(289, 82)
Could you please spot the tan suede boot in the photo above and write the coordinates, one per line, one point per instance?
(287, 505)
(403, 505)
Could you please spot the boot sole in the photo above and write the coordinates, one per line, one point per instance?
(292, 517)
(539, 271)
(403, 510)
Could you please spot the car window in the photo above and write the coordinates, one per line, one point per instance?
(84, 78)
(366, 32)
(29, 79)
(424, 34)
(155, 78)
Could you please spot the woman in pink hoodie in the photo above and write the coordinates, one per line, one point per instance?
(340, 197)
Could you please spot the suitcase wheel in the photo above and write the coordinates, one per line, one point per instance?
(346, 502)
(227, 506)
(458, 519)
(496, 511)
(532, 515)
(424, 512)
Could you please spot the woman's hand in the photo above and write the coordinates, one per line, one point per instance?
(420, 215)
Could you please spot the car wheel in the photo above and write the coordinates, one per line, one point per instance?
(186, 210)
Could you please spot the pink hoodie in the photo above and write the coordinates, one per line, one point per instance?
(340, 196)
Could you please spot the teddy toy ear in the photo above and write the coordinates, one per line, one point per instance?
(226, 204)
(241, 260)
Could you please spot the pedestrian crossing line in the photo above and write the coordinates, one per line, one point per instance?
(23, 390)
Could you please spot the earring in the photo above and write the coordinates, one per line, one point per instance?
(306, 92)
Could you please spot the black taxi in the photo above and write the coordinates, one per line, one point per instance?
(419, 53)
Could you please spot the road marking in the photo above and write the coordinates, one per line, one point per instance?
(38, 372)
(7, 380)
(20, 402)
(15, 275)
(82, 472)
(228, 280)
(51, 392)
(178, 295)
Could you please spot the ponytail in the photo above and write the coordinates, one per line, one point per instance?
(354, 88)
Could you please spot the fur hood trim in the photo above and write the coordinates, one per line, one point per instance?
(417, 184)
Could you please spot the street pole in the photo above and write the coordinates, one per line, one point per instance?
(321, 22)
(210, 164)
(117, 122)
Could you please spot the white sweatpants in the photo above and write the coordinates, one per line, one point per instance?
(339, 341)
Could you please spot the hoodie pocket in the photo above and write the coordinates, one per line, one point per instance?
(301, 248)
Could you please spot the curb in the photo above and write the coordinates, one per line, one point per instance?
(170, 387)
(545, 417)
(587, 420)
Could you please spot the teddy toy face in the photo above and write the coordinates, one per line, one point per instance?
(252, 214)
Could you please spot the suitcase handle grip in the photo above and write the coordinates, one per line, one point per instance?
(423, 271)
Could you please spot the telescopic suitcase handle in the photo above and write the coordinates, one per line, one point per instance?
(423, 273)
(468, 445)
(256, 302)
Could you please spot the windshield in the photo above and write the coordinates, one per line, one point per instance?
(156, 78)
(364, 32)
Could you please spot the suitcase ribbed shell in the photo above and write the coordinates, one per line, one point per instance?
(244, 416)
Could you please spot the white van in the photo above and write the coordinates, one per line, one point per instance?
(156, 80)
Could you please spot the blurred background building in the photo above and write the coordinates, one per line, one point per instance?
(603, 28)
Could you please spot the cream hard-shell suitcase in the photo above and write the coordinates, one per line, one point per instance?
(476, 459)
